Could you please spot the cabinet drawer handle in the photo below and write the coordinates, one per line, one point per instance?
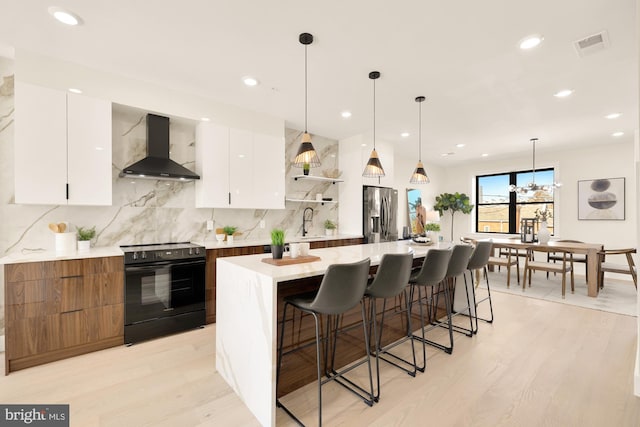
(71, 311)
(71, 277)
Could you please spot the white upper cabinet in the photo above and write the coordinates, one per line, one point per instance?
(62, 147)
(239, 168)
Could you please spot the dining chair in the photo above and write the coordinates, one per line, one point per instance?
(511, 259)
(608, 267)
(342, 288)
(555, 256)
(564, 268)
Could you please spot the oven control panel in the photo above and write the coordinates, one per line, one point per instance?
(142, 255)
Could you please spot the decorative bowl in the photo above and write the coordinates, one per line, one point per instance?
(331, 173)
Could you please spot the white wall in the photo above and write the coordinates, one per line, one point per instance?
(612, 160)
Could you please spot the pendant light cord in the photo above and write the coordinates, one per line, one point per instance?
(420, 131)
(305, 88)
(374, 114)
(533, 175)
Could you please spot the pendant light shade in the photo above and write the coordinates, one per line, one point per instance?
(306, 156)
(374, 168)
(419, 175)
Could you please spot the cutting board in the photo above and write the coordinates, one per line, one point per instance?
(287, 260)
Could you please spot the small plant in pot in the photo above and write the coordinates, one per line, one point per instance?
(432, 229)
(330, 227)
(84, 237)
(277, 243)
(229, 230)
(305, 168)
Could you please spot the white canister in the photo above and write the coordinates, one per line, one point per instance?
(318, 197)
(304, 248)
(65, 242)
(294, 250)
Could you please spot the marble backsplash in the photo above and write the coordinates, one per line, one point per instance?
(146, 211)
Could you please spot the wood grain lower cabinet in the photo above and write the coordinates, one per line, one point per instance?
(59, 309)
(213, 254)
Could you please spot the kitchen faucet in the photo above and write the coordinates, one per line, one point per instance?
(306, 218)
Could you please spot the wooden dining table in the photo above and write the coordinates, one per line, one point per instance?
(590, 250)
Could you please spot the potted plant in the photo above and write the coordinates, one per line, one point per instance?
(305, 168)
(432, 229)
(229, 230)
(84, 237)
(456, 202)
(329, 227)
(277, 243)
(543, 215)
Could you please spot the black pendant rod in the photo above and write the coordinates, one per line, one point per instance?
(374, 75)
(306, 39)
(419, 100)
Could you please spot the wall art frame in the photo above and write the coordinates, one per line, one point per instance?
(601, 199)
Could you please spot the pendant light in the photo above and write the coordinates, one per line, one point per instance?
(373, 169)
(419, 175)
(306, 156)
(532, 186)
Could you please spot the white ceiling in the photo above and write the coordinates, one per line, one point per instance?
(481, 89)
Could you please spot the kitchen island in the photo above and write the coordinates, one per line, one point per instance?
(247, 315)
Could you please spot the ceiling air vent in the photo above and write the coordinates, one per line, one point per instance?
(592, 44)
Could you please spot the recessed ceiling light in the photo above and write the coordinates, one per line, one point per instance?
(74, 90)
(65, 16)
(447, 154)
(530, 42)
(99, 148)
(205, 119)
(250, 81)
(619, 133)
(364, 145)
(563, 93)
(405, 134)
(485, 155)
(613, 115)
(345, 114)
(459, 145)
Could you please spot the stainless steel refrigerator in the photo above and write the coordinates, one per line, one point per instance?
(380, 210)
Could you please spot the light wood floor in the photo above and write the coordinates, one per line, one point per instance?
(540, 364)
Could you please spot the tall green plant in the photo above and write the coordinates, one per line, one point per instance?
(457, 202)
(277, 237)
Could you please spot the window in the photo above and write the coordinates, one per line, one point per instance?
(500, 211)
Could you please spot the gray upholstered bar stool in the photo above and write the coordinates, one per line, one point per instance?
(390, 281)
(457, 266)
(341, 289)
(432, 273)
(479, 261)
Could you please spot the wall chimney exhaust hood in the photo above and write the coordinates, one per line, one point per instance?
(157, 164)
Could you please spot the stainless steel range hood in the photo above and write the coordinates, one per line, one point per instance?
(157, 164)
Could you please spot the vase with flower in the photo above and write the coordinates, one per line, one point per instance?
(543, 215)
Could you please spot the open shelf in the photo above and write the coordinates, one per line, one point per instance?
(318, 178)
(310, 200)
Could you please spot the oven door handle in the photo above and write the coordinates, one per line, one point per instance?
(154, 265)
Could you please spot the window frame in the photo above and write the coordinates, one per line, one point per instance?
(513, 203)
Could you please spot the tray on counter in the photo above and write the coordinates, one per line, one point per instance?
(287, 260)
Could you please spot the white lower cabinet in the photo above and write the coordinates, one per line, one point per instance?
(239, 168)
(62, 147)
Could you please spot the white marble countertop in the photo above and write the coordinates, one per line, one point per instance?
(107, 251)
(38, 256)
(237, 243)
(328, 256)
